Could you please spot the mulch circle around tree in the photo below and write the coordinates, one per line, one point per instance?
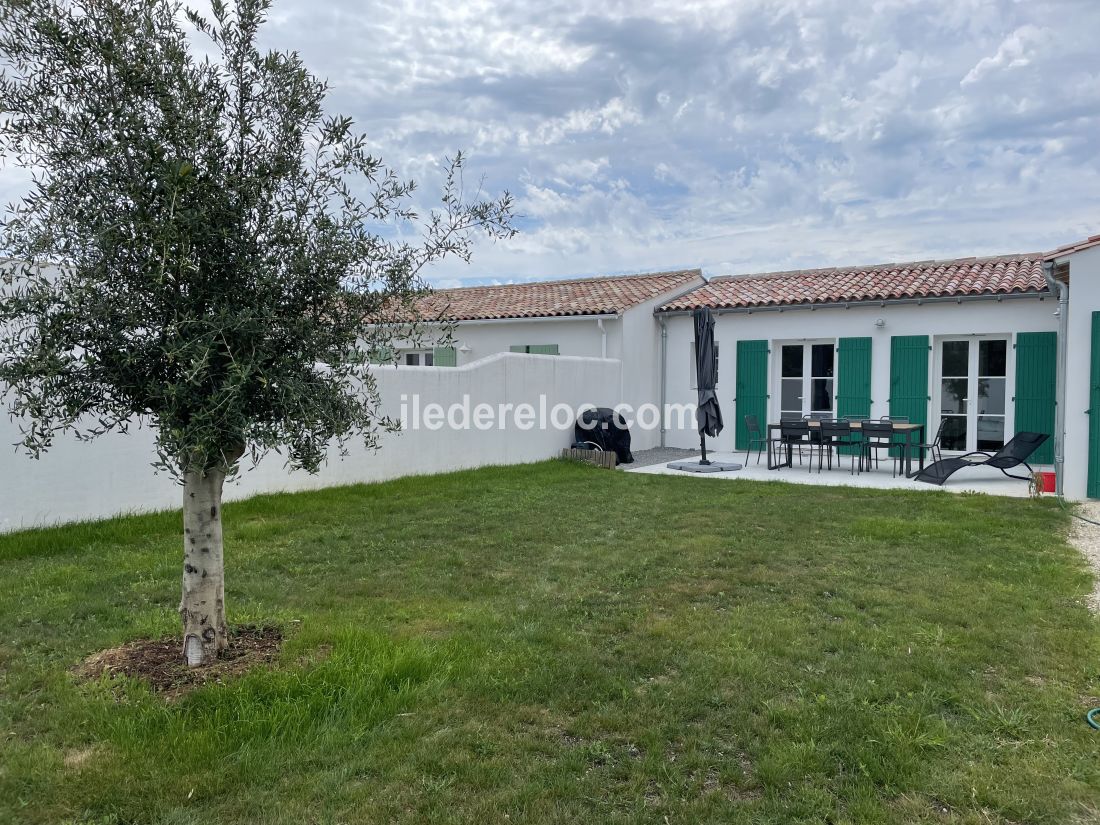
(160, 664)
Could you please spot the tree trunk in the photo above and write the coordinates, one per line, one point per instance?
(202, 605)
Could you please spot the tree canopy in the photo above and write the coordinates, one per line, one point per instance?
(226, 256)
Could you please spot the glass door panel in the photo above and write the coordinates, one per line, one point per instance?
(954, 393)
(991, 390)
(790, 382)
(973, 394)
(806, 380)
(821, 378)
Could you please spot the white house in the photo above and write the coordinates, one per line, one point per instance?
(605, 317)
(974, 343)
(986, 346)
(1075, 270)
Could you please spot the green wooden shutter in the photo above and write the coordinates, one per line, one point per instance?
(535, 349)
(381, 355)
(909, 378)
(1093, 490)
(444, 357)
(853, 388)
(751, 387)
(1036, 380)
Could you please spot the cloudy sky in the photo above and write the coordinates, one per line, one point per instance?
(738, 136)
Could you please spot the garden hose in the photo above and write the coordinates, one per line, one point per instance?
(1090, 717)
(1062, 504)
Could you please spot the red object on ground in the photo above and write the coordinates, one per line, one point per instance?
(1048, 482)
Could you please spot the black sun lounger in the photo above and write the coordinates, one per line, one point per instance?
(1013, 454)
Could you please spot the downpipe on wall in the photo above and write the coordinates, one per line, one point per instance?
(1062, 290)
(664, 373)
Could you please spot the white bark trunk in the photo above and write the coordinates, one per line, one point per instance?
(202, 606)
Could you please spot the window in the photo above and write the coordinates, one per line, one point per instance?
(790, 382)
(692, 368)
(954, 394)
(535, 349)
(973, 393)
(418, 358)
(992, 392)
(806, 376)
(822, 358)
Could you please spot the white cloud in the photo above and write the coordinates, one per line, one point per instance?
(1015, 52)
(737, 136)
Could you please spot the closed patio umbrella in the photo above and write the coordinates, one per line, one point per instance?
(708, 414)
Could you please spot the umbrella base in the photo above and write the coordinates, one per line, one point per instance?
(698, 467)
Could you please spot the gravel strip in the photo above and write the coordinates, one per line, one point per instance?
(1086, 538)
(659, 455)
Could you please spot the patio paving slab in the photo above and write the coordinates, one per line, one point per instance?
(971, 480)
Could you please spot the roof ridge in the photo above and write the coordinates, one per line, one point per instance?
(585, 280)
(1076, 246)
(992, 275)
(563, 297)
(889, 265)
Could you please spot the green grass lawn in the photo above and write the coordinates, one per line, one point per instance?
(557, 643)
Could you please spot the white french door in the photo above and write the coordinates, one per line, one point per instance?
(806, 380)
(973, 393)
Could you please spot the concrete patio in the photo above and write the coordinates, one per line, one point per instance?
(970, 480)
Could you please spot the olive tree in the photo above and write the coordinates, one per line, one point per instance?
(224, 258)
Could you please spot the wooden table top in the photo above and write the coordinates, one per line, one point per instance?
(898, 426)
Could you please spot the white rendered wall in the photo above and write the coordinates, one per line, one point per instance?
(574, 336)
(1084, 299)
(633, 338)
(111, 475)
(971, 318)
(641, 366)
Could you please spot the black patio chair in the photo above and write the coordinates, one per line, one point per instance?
(1013, 454)
(815, 432)
(792, 435)
(856, 438)
(934, 447)
(877, 436)
(895, 419)
(756, 436)
(833, 434)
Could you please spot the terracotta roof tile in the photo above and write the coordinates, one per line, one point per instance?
(1009, 274)
(586, 296)
(1070, 248)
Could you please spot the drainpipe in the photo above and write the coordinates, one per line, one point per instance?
(664, 369)
(1060, 392)
(603, 338)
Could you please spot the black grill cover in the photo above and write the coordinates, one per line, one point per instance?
(606, 428)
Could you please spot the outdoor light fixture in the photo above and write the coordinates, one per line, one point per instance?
(880, 323)
(464, 348)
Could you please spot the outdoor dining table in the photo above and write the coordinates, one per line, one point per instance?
(913, 432)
